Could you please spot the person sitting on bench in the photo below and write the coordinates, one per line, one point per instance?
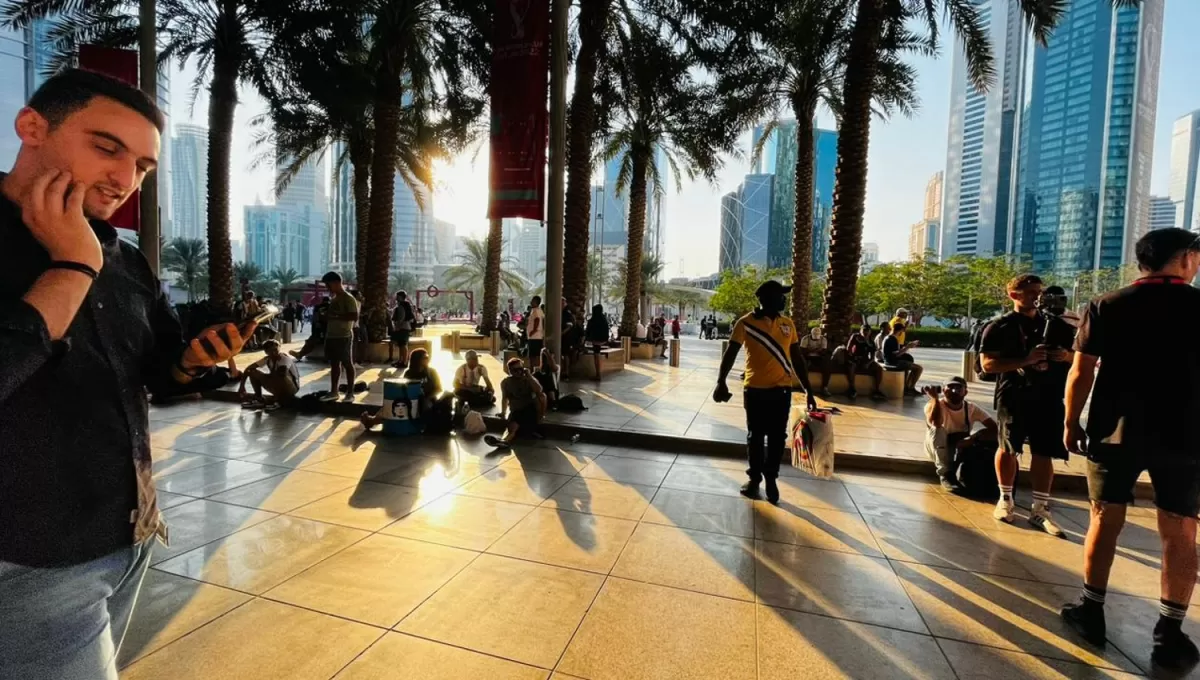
(897, 358)
(520, 404)
(466, 383)
(858, 356)
(280, 378)
(950, 419)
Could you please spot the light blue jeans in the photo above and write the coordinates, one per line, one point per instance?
(68, 623)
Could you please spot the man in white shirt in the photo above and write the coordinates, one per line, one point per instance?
(281, 378)
(950, 418)
(466, 383)
(815, 348)
(535, 327)
(641, 330)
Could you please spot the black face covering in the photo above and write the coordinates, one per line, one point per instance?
(772, 305)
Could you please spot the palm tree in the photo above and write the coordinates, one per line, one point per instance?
(187, 259)
(433, 53)
(658, 102)
(228, 42)
(405, 281)
(650, 286)
(878, 26)
(283, 277)
(492, 272)
(471, 273)
(247, 274)
(581, 133)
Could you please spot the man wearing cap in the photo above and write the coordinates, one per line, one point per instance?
(339, 336)
(899, 325)
(950, 419)
(774, 363)
(466, 383)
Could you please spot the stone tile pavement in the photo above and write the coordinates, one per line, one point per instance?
(302, 549)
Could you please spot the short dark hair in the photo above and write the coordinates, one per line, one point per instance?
(537, 300)
(1023, 281)
(331, 277)
(1055, 290)
(1157, 248)
(270, 344)
(70, 90)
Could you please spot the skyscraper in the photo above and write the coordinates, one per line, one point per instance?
(189, 182)
(925, 236)
(343, 236)
(444, 237)
(1162, 212)
(531, 251)
(730, 255)
(979, 153)
(412, 233)
(757, 198)
(1184, 190)
(933, 196)
(304, 199)
(616, 208)
(1086, 129)
(275, 238)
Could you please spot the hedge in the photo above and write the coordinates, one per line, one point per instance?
(932, 336)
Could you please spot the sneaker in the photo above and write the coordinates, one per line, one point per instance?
(879, 396)
(910, 392)
(1040, 518)
(951, 485)
(824, 392)
(852, 393)
(252, 404)
(348, 397)
(1175, 652)
(750, 490)
(329, 396)
(1086, 620)
(494, 441)
(772, 492)
(273, 406)
(1005, 511)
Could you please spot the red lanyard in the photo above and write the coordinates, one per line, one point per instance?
(1169, 280)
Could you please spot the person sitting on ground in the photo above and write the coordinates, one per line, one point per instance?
(547, 377)
(815, 349)
(438, 408)
(897, 358)
(597, 335)
(859, 355)
(280, 378)
(466, 383)
(520, 403)
(317, 337)
(950, 418)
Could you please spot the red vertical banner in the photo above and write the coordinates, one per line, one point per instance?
(122, 65)
(520, 121)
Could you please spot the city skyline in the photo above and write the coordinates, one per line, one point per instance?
(1184, 189)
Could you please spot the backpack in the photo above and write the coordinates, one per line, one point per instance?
(571, 403)
(976, 345)
(976, 469)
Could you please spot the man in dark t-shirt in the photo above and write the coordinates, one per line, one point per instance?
(1029, 398)
(1144, 416)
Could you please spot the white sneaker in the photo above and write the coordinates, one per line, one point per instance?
(1040, 518)
(329, 396)
(1005, 511)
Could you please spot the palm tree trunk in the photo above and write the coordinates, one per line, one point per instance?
(382, 214)
(637, 233)
(491, 276)
(360, 161)
(581, 123)
(803, 230)
(850, 192)
(221, 106)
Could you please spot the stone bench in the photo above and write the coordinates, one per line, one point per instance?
(377, 352)
(645, 350)
(612, 359)
(475, 341)
(892, 386)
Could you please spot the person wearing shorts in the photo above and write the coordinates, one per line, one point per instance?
(1144, 414)
(339, 336)
(520, 405)
(276, 373)
(401, 327)
(1029, 399)
(535, 326)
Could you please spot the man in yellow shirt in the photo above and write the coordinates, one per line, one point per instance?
(902, 319)
(774, 364)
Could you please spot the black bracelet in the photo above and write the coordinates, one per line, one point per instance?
(74, 267)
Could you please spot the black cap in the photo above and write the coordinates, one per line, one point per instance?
(771, 288)
(331, 277)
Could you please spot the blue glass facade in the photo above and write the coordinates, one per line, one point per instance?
(757, 197)
(1085, 133)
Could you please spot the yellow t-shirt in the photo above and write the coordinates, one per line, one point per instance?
(768, 344)
(899, 336)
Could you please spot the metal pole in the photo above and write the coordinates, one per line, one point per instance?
(148, 232)
(555, 185)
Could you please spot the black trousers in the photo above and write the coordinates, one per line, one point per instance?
(767, 412)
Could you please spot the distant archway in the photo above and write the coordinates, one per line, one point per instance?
(434, 291)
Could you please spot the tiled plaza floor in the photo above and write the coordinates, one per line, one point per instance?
(302, 549)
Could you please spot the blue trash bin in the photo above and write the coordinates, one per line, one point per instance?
(401, 409)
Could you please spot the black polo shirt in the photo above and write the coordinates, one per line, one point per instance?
(75, 468)
(1147, 392)
(1012, 336)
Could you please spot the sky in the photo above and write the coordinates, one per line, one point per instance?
(904, 153)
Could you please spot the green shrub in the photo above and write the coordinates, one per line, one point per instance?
(933, 336)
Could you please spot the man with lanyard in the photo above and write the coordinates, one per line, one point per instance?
(774, 363)
(85, 329)
(1029, 396)
(1142, 418)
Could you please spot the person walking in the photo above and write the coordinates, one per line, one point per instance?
(85, 331)
(1143, 416)
(774, 363)
(535, 329)
(339, 336)
(1029, 399)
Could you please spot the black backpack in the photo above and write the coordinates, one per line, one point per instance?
(976, 469)
(976, 345)
(571, 403)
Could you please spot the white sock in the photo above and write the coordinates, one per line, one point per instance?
(1006, 493)
(1041, 500)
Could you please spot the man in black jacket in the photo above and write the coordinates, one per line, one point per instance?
(85, 330)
